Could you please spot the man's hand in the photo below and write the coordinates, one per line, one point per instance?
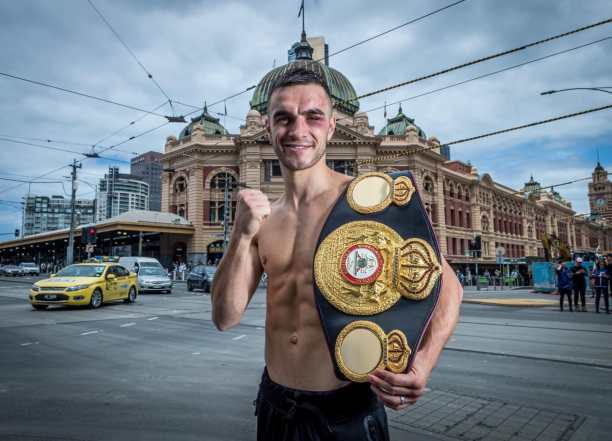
(411, 385)
(253, 208)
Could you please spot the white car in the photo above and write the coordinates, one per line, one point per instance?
(154, 279)
(29, 268)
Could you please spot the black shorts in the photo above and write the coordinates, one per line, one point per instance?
(352, 412)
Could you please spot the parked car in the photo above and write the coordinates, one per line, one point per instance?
(154, 279)
(200, 277)
(29, 268)
(134, 263)
(11, 270)
(85, 284)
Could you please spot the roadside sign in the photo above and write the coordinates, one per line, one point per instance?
(90, 248)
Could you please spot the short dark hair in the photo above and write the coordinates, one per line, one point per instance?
(298, 76)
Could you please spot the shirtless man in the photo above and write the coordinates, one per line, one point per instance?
(300, 396)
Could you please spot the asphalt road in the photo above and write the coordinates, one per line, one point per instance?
(159, 370)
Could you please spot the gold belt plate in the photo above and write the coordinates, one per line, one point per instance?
(362, 347)
(374, 191)
(365, 267)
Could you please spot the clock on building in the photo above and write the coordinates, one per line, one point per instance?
(600, 202)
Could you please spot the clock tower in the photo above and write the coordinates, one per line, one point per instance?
(600, 194)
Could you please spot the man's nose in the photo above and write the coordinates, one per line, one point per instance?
(299, 128)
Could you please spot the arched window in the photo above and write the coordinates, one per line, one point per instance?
(485, 223)
(428, 185)
(218, 181)
(451, 191)
(180, 185)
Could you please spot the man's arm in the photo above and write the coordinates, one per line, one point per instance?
(240, 269)
(411, 385)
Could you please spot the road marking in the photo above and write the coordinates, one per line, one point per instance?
(89, 332)
(240, 337)
(195, 353)
(125, 325)
(29, 343)
(152, 318)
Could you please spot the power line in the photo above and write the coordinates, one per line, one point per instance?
(480, 60)
(30, 182)
(409, 152)
(3, 190)
(127, 126)
(17, 138)
(388, 31)
(561, 184)
(359, 43)
(149, 75)
(86, 95)
(479, 77)
(47, 147)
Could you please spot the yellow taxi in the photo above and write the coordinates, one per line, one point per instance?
(89, 284)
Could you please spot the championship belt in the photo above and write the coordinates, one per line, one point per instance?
(377, 269)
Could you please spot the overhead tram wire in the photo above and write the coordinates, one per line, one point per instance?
(479, 77)
(409, 152)
(85, 154)
(127, 126)
(359, 43)
(82, 144)
(30, 181)
(149, 75)
(483, 59)
(86, 95)
(561, 184)
(3, 190)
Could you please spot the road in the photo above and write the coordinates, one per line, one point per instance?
(159, 370)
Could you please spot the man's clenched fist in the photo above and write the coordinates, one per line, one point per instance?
(253, 208)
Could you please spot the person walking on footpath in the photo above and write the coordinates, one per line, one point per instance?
(599, 280)
(579, 284)
(564, 284)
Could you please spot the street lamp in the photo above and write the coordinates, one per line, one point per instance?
(599, 89)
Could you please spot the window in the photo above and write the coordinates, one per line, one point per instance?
(272, 169)
(180, 185)
(217, 212)
(218, 181)
(428, 185)
(345, 167)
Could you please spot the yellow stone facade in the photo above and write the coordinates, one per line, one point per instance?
(461, 202)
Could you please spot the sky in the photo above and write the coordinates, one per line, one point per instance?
(208, 50)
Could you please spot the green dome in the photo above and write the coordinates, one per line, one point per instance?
(342, 91)
(399, 125)
(209, 123)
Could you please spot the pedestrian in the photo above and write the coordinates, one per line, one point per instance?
(609, 270)
(468, 276)
(579, 284)
(564, 284)
(599, 281)
(300, 397)
(182, 268)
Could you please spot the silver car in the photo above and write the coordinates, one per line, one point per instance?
(154, 279)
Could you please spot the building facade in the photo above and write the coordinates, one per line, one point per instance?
(50, 213)
(148, 168)
(461, 203)
(119, 193)
(600, 194)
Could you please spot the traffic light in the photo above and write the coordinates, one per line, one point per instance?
(17, 232)
(88, 235)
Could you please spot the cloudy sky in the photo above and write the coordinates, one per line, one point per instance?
(207, 50)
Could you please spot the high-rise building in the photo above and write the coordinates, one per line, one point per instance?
(148, 167)
(600, 194)
(44, 213)
(120, 192)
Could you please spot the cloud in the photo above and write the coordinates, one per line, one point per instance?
(207, 50)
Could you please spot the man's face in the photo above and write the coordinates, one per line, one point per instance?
(300, 123)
